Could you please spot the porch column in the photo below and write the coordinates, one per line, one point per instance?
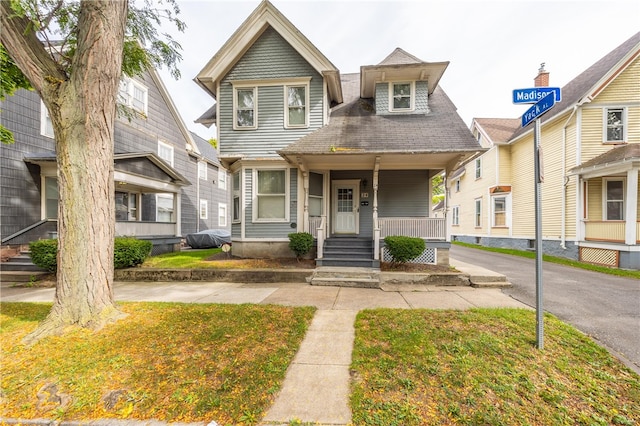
(305, 214)
(376, 227)
(631, 207)
(580, 213)
(176, 206)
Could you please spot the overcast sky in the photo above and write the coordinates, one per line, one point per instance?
(493, 46)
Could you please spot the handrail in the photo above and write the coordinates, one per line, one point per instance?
(321, 235)
(22, 231)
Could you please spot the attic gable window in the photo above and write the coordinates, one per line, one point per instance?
(297, 106)
(244, 108)
(134, 95)
(615, 119)
(402, 98)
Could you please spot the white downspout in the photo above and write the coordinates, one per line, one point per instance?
(563, 225)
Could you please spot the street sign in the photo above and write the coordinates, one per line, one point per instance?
(534, 94)
(539, 108)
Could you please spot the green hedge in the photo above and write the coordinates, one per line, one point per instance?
(403, 249)
(128, 252)
(301, 243)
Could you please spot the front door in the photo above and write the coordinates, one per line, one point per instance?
(345, 206)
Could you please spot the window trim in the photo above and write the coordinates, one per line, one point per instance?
(455, 216)
(506, 211)
(222, 179)
(412, 96)
(44, 119)
(204, 204)
(477, 217)
(605, 125)
(255, 196)
(605, 200)
(288, 107)
(202, 170)
(236, 88)
(173, 205)
(478, 168)
(222, 207)
(170, 147)
(237, 193)
(127, 98)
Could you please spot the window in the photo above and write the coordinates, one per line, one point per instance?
(271, 195)
(236, 196)
(244, 110)
(296, 102)
(204, 209)
(126, 206)
(614, 199)
(315, 194)
(46, 126)
(222, 214)
(402, 99)
(499, 211)
(202, 170)
(51, 198)
(222, 179)
(455, 216)
(615, 128)
(478, 214)
(457, 185)
(165, 151)
(133, 94)
(478, 168)
(164, 207)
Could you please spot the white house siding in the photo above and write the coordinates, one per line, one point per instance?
(270, 57)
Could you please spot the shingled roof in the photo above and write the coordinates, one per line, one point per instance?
(355, 127)
(613, 157)
(499, 130)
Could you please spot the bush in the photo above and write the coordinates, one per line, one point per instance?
(403, 249)
(301, 243)
(44, 254)
(128, 252)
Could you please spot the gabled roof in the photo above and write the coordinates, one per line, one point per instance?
(264, 16)
(400, 65)
(208, 152)
(586, 86)
(497, 130)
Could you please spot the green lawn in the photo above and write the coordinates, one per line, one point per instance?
(186, 259)
(481, 367)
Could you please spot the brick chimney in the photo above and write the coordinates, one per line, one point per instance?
(542, 79)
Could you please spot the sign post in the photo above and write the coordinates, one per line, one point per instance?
(543, 99)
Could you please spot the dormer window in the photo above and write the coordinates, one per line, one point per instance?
(401, 96)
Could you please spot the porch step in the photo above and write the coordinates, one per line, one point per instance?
(20, 276)
(21, 262)
(346, 277)
(348, 262)
(348, 252)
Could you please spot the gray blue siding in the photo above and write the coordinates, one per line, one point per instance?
(421, 101)
(403, 193)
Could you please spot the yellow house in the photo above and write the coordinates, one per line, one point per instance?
(590, 157)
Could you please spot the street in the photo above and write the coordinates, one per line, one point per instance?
(605, 307)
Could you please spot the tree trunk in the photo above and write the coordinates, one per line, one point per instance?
(82, 110)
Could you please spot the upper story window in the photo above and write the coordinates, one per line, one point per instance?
(478, 164)
(297, 106)
(457, 185)
(46, 126)
(244, 108)
(613, 199)
(614, 129)
(401, 96)
(165, 151)
(133, 95)
(455, 215)
(222, 179)
(202, 170)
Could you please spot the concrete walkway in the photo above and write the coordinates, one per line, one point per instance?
(316, 387)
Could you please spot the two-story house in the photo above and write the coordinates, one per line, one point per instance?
(162, 175)
(348, 158)
(590, 150)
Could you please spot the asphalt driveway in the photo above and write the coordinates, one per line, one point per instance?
(605, 307)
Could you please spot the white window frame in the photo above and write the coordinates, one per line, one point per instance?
(235, 107)
(455, 215)
(202, 170)
(477, 216)
(237, 191)
(126, 94)
(173, 206)
(478, 167)
(169, 148)
(457, 185)
(45, 122)
(256, 195)
(504, 196)
(222, 214)
(288, 107)
(46, 198)
(605, 125)
(606, 200)
(222, 179)
(204, 209)
(412, 96)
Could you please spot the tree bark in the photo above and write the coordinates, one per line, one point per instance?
(82, 107)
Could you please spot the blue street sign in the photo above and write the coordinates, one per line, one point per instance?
(534, 94)
(539, 108)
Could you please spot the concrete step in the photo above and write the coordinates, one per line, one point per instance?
(20, 276)
(346, 277)
(352, 262)
(490, 284)
(20, 266)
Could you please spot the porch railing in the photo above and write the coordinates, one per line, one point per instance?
(314, 224)
(431, 228)
(320, 233)
(145, 228)
(611, 231)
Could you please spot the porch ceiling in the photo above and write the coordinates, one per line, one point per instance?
(388, 161)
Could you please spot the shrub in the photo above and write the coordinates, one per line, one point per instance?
(301, 243)
(44, 254)
(128, 252)
(403, 249)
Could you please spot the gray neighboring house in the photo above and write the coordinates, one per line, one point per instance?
(348, 158)
(156, 165)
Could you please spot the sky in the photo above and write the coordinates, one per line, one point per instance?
(493, 47)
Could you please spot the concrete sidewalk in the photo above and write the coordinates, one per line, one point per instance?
(316, 387)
